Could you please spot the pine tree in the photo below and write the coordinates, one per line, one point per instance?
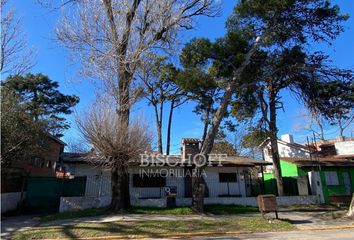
(40, 97)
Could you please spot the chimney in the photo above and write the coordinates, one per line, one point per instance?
(287, 138)
(190, 146)
(340, 139)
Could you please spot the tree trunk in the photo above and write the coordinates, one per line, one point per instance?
(120, 176)
(158, 117)
(169, 127)
(35, 111)
(321, 132)
(219, 115)
(274, 141)
(198, 191)
(341, 130)
(206, 124)
(120, 188)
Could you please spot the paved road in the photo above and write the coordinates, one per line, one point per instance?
(294, 235)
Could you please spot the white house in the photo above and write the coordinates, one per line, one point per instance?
(166, 181)
(227, 179)
(286, 147)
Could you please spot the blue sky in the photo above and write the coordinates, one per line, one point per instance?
(39, 23)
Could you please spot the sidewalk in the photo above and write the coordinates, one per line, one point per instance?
(314, 220)
(17, 223)
(302, 220)
(124, 217)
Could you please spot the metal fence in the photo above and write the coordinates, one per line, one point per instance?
(100, 185)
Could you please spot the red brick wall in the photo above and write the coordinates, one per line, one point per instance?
(52, 154)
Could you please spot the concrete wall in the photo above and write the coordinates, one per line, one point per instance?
(9, 201)
(152, 202)
(298, 200)
(246, 201)
(252, 201)
(80, 203)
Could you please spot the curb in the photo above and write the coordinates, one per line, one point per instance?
(326, 228)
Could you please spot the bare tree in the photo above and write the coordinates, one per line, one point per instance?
(344, 120)
(110, 38)
(113, 145)
(15, 57)
(77, 145)
(314, 123)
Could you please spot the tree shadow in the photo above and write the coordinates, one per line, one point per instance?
(109, 228)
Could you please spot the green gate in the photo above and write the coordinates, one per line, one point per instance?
(289, 184)
(44, 192)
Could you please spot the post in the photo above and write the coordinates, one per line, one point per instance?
(21, 197)
(263, 185)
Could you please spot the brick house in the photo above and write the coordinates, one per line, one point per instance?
(43, 164)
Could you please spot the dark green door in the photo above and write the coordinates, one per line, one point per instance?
(43, 193)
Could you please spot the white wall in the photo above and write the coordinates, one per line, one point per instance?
(288, 151)
(9, 201)
(80, 203)
(217, 188)
(79, 169)
(344, 148)
(285, 150)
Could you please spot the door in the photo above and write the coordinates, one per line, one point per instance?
(347, 184)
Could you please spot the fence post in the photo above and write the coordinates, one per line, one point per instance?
(24, 180)
(100, 187)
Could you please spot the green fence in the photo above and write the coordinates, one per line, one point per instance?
(289, 183)
(45, 192)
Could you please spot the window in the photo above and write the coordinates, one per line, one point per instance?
(331, 178)
(227, 177)
(148, 181)
(36, 161)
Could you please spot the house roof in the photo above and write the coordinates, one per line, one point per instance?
(56, 139)
(190, 140)
(71, 157)
(347, 156)
(322, 161)
(172, 160)
(241, 161)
